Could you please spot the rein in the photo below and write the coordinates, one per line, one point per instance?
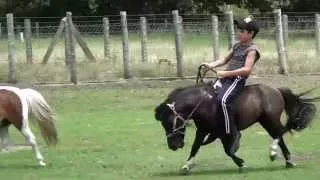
(202, 70)
(175, 129)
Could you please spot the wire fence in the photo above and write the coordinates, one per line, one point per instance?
(92, 25)
(161, 60)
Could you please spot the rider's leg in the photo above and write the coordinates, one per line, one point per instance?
(226, 94)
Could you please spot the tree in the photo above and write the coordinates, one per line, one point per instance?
(103, 7)
(305, 6)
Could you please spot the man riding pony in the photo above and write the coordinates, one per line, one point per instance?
(241, 60)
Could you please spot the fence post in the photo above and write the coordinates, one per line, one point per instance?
(317, 22)
(231, 33)
(18, 33)
(125, 45)
(144, 39)
(0, 30)
(70, 49)
(177, 22)
(166, 24)
(37, 29)
(285, 29)
(215, 37)
(28, 36)
(54, 41)
(11, 49)
(106, 35)
(81, 43)
(66, 42)
(280, 43)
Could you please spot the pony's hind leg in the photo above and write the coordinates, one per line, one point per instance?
(284, 149)
(274, 149)
(30, 138)
(286, 154)
(276, 130)
(5, 140)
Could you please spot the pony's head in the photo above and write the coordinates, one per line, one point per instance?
(174, 113)
(173, 124)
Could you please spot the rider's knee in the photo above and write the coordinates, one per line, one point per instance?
(222, 102)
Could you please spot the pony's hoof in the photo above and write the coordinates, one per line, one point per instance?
(273, 157)
(185, 171)
(290, 164)
(243, 169)
(42, 164)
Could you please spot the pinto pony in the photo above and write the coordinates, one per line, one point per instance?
(15, 107)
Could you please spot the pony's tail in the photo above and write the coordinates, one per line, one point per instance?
(300, 111)
(42, 114)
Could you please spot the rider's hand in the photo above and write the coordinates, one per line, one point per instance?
(206, 64)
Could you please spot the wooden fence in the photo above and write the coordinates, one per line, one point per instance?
(72, 35)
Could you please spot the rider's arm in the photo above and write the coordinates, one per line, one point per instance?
(221, 62)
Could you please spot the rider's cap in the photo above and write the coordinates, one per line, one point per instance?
(248, 24)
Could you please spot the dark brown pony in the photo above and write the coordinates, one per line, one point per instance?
(256, 103)
(15, 106)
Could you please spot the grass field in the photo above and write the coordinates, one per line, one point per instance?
(110, 133)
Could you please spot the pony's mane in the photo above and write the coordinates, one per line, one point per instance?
(178, 90)
(162, 110)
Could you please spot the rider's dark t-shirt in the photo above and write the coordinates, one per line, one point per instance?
(239, 54)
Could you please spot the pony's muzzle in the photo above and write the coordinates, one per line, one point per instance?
(175, 147)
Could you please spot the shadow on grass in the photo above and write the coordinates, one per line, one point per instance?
(231, 171)
(19, 166)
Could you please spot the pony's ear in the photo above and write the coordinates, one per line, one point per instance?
(161, 111)
(172, 105)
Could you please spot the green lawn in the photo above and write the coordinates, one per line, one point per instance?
(110, 133)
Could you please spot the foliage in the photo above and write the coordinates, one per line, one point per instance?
(102, 7)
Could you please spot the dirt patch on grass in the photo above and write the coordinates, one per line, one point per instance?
(294, 81)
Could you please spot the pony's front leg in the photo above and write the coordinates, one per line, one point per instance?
(26, 131)
(230, 151)
(198, 141)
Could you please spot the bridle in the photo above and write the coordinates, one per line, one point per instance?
(202, 70)
(178, 116)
